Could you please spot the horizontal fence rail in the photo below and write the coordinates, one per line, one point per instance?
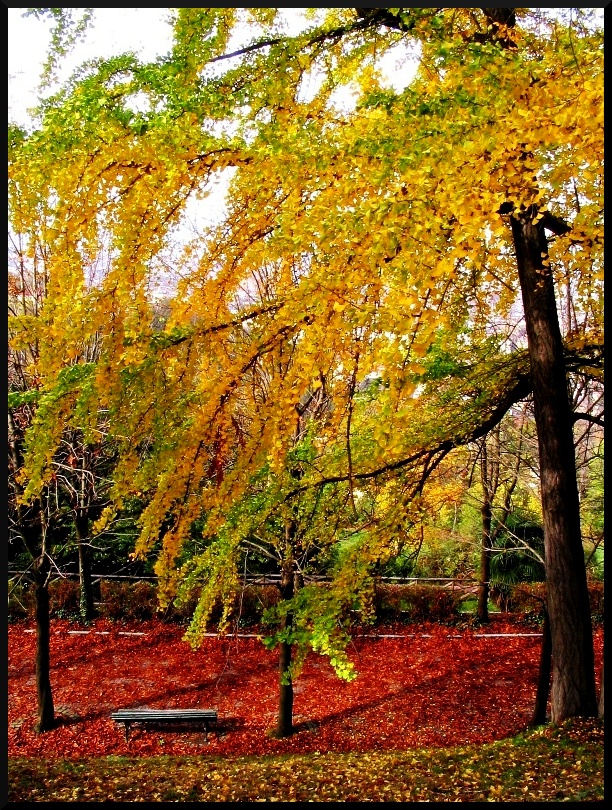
(265, 579)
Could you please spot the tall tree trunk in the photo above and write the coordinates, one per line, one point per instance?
(86, 598)
(543, 690)
(573, 685)
(46, 712)
(284, 726)
(600, 702)
(485, 559)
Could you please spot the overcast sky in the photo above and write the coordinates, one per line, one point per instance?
(114, 31)
(143, 30)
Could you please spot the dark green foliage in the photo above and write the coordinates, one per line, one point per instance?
(517, 558)
(402, 565)
(519, 549)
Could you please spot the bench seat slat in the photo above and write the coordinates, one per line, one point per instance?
(148, 714)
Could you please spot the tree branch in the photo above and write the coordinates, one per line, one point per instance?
(588, 417)
(366, 21)
(517, 390)
(165, 340)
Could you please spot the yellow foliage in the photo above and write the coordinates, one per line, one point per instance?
(350, 238)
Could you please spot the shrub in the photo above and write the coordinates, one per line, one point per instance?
(128, 600)
(181, 613)
(596, 598)
(525, 597)
(142, 600)
(247, 609)
(529, 597)
(415, 603)
(124, 600)
(251, 602)
(64, 598)
(20, 601)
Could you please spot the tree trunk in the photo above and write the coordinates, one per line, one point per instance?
(541, 702)
(573, 684)
(86, 598)
(46, 712)
(284, 725)
(600, 703)
(485, 560)
(29, 520)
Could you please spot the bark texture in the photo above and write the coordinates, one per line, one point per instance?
(573, 684)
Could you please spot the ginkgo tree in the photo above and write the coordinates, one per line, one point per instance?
(386, 219)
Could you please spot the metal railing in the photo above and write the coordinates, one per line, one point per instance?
(268, 579)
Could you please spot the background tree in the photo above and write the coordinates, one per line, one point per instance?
(499, 476)
(43, 533)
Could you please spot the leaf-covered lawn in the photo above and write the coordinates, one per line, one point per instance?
(547, 764)
(429, 712)
(443, 687)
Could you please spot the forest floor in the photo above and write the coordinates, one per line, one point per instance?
(429, 686)
(425, 687)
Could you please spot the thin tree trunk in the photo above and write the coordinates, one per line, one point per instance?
(573, 684)
(485, 560)
(86, 598)
(543, 690)
(284, 725)
(600, 703)
(46, 712)
(30, 526)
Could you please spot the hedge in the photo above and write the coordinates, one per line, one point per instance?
(415, 603)
(122, 600)
(529, 597)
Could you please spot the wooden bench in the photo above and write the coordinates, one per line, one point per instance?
(164, 716)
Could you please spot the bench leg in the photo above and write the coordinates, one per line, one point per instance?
(127, 731)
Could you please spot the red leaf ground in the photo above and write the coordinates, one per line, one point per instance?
(440, 688)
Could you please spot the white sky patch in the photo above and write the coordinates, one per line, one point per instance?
(309, 86)
(145, 31)
(206, 208)
(138, 103)
(399, 64)
(344, 98)
(148, 33)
